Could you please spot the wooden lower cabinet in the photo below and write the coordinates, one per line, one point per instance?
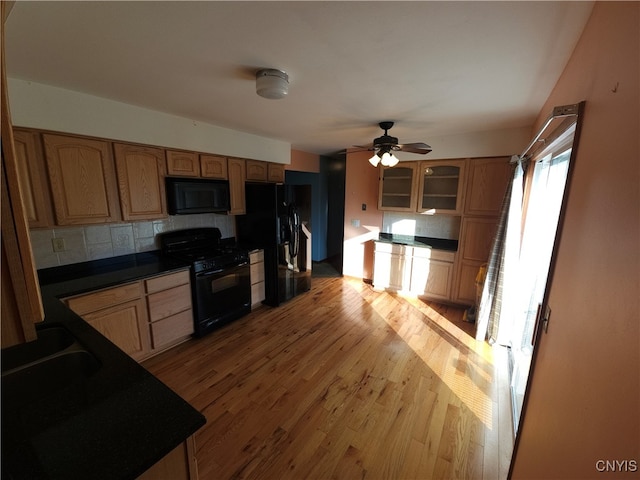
(432, 273)
(419, 271)
(476, 239)
(391, 269)
(170, 310)
(256, 263)
(179, 464)
(119, 314)
(142, 318)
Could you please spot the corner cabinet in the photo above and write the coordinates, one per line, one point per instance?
(441, 187)
(397, 188)
(141, 173)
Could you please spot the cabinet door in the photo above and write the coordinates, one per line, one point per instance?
(467, 272)
(169, 307)
(257, 171)
(179, 464)
(213, 166)
(141, 173)
(169, 302)
(431, 278)
(392, 266)
(33, 178)
(441, 187)
(237, 176)
(432, 273)
(476, 236)
(83, 180)
(397, 190)
(183, 164)
(476, 239)
(256, 261)
(275, 173)
(487, 183)
(126, 326)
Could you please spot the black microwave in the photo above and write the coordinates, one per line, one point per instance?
(195, 195)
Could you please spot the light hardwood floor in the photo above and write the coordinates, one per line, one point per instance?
(345, 382)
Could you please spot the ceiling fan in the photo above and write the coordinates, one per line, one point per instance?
(386, 144)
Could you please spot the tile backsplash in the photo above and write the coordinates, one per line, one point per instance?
(435, 226)
(94, 242)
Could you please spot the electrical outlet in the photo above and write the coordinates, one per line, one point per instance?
(58, 244)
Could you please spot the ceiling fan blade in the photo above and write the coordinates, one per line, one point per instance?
(364, 147)
(418, 147)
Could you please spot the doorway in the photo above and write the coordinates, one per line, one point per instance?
(546, 190)
(513, 305)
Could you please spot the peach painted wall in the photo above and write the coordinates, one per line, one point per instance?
(304, 162)
(361, 188)
(584, 401)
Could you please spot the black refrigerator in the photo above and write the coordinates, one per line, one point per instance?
(278, 219)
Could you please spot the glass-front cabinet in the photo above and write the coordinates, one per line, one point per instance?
(441, 184)
(398, 188)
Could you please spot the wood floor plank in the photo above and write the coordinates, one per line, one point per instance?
(343, 382)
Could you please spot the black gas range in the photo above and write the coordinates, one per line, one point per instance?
(220, 275)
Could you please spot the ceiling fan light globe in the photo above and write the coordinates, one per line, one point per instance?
(389, 160)
(374, 160)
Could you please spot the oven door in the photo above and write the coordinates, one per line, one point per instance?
(221, 296)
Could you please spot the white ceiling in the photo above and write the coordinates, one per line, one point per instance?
(436, 68)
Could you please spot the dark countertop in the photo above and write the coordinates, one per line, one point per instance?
(116, 423)
(425, 242)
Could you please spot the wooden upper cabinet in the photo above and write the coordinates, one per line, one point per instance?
(32, 173)
(213, 166)
(141, 173)
(441, 186)
(83, 180)
(487, 183)
(183, 164)
(397, 188)
(275, 172)
(237, 177)
(257, 171)
(19, 288)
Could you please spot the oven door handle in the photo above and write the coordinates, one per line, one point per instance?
(208, 274)
(221, 270)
